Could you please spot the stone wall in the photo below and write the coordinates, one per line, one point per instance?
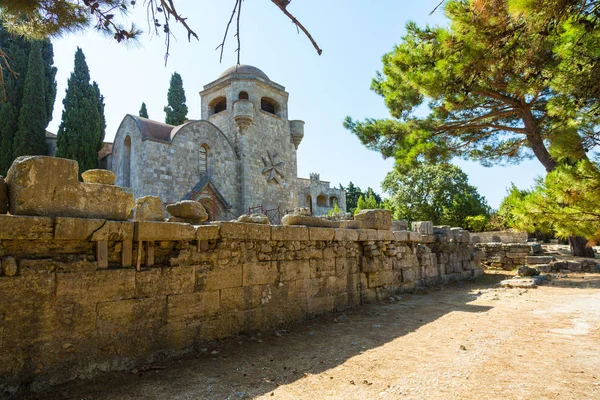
(505, 256)
(509, 236)
(79, 296)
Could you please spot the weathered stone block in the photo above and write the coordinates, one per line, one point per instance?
(321, 268)
(345, 266)
(9, 266)
(260, 273)
(132, 315)
(380, 278)
(400, 236)
(305, 220)
(400, 225)
(533, 260)
(241, 298)
(238, 230)
(190, 307)
(365, 235)
(375, 264)
(326, 234)
(349, 224)
(154, 231)
(66, 228)
(423, 227)
(207, 232)
(189, 210)
(149, 208)
(414, 237)
(102, 176)
(26, 228)
(375, 219)
(164, 281)
(346, 234)
(294, 270)
(221, 277)
(49, 186)
(384, 235)
(96, 287)
(254, 219)
(410, 275)
(289, 233)
(114, 231)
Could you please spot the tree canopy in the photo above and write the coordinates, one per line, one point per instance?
(505, 81)
(143, 111)
(176, 110)
(439, 193)
(82, 128)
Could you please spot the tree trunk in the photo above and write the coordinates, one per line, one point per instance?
(535, 141)
(578, 245)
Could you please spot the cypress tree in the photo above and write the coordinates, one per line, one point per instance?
(102, 122)
(81, 129)
(17, 50)
(30, 138)
(176, 109)
(143, 111)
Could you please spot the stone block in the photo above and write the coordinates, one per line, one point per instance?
(385, 235)
(26, 228)
(191, 307)
(9, 266)
(239, 230)
(305, 220)
(260, 273)
(299, 233)
(375, 219)
(400, 225)
(414, 237)
(345, 266)
(366, 235)
(294, 270)
(320, 305)
(574, 266)
(325, 234)
(49, 186)
(423, 227)
(97, 286)
(114, 231)
(151, 231)
(164, 281)
(131, 315)
(102, 176)
(3, 196)
(149, 208)
(375, 279)
(241, 298)
(189, 210)
(400, 236)
(349, 224)
(66, 228)
(207, 232)
(534, 260)
(220, 277)
(410, 275)
(346, 234)
(376, 264)
(322, 268)
(254, 219)
(428, 239)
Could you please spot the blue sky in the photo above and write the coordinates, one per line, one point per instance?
(353, 34)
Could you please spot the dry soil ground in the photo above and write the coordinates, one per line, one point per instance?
(467, 341)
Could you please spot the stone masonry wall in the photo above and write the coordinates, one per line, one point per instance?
(500, 236)
(79, 296)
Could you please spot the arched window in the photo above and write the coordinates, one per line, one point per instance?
(322, 200)
(217, 105)
(243, 96)
(127, 162)
(332, 201)
(203, 162)
(269, 105)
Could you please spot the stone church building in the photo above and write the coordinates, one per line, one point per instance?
(239, 158)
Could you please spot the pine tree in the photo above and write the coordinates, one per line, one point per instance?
(143, 111)
(176, 109)
(81, 130)
(30, 138)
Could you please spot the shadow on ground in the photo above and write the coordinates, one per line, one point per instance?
(253, 365)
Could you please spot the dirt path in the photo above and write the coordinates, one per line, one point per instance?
(462, 342)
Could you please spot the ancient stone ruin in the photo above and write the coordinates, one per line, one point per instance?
(88, 285)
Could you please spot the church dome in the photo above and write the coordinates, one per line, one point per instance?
(244, 70)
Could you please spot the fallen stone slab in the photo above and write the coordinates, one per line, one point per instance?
(533, 260)
(49, 186)
(375, 219)
(254, 219)
(527, 271)
(305, 220)
(400, 225)
(525, 283)
(188, 210)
